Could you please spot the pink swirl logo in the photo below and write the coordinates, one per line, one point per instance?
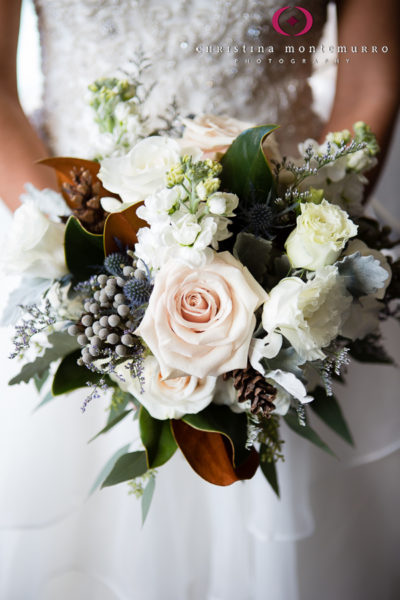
(292, 21)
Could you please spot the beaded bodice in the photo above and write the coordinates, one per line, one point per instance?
(216, 56)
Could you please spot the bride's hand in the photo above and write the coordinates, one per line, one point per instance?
(20, 146)
(368, 87)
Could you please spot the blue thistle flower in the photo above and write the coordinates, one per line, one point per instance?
(137, 291)
(115, 262)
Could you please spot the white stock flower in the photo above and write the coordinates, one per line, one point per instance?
(223, 203)
(167, 398)
(321, 232)
(142, 171)
(35, 245)
(156, 207)
(310, 315)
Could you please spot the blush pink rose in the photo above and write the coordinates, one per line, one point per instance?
(200, 321)
(212, 134)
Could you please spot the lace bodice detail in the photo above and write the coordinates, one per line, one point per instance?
(85, 39)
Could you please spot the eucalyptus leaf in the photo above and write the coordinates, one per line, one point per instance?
(128, 466)
(61, 344)
(71, 376)
(40, 380)
(245, 170)
(157, 439)
(370, 350)
(270, 473)
(47, 398)
(306, 431)
(254, 253)
(329, 411)
(120, 400)
(147, 497)
(106, 470)
(363, 275)
(112, 423)
(83, 250)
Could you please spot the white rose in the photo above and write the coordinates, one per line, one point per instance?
(310, 315)
(212, 134)
(35, 245)
(167, 398)
(141, 172)
(321, 233)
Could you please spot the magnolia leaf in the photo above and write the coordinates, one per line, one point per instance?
(269, 470)
(121, 229)
(329, 411)
(147, 497)
(306, 431)
(83, 250)
(128, 466)
(213, 442)
(65, 166)
(71, 376)
(245, 170)
(61, 344)
(254, 253)
(106, 470)
(157, 439)
(112, 423)
(363, 275)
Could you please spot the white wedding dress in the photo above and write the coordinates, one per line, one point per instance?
(334, 533)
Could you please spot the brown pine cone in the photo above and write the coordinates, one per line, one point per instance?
(251, 385)
(84, 200)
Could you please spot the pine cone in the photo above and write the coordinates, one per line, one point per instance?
(251, 385)
(84, 200)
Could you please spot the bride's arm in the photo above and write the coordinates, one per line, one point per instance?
(368, 87)
(19, 143)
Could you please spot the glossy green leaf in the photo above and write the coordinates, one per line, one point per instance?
(157, 439)
(220, 419)
(147, 497)
(128, 466)
(112, 423)
(306, 431)
(70, 376)
(106, 470)
(245, 170)
(271, 475)
(83, 250)
(61, 344)
(329, 411)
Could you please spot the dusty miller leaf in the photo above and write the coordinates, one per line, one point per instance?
(363, 275)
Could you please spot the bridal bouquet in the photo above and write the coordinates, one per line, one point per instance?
(212, 286)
